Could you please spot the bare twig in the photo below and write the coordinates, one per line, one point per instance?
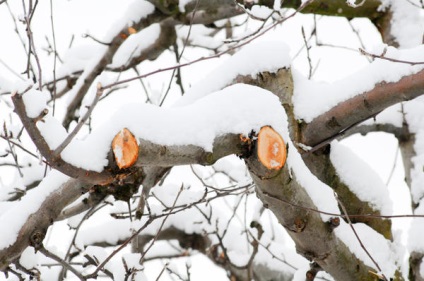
(370, 216)
(21, 147)
(117, 250)
(357, 236)
(66, 265)
(212, 56)
(393, 167)
(32, 50)
(179, 56)
(162, 271)
(383, 57)
(82, 121)
(162, 224)
(54, 59)
(307, 53)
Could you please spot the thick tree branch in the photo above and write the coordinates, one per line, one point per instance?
(152, 154)
(314, 238)
(336, 8)
(54, 160)
(33, 231)
(361, 107)
(322, 7)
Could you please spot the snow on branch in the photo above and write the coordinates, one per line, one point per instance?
(359, 97)
(28, 220)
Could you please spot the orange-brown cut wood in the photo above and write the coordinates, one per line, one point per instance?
(125, 149)
(271, 148)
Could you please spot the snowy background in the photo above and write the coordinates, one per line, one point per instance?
(339, 72)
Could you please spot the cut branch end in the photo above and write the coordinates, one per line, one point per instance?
(272, 152)
(125, 149)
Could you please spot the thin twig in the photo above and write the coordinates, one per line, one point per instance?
(49, 254)
(78, 127)
(213, 56)
(308, 56)
(369, 216)
(382, 56)
(358, 36)
(161, 226)
(357, 236)
(15, 158)
(54, 59)
(179, 56)
(117, 250)
(32, 49)
(162, 271)
(21, 147)
(393, 167)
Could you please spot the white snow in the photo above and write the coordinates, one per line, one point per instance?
(35, 102)
(182, 4)
(321, 194)
(196, 124)
(16, 216)
(52, 131)
(250, 60)
(135, 44)
(407, 23)
(379, 248)
(261, 12)
(360, 178)
(391, 115)
(136, 11)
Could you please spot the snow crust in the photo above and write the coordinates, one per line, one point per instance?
(135, 44)
(360, 178)
(312, 98)
(407, 23)
(248, 61)
(261, 12)
(182, 4)
(16, 216)
(35, 102)
(196, 124)
(137, 10)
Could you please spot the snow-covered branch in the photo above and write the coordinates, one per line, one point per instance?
(362, 107)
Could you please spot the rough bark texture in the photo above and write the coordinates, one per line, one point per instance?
(313, 237)
(151, 154)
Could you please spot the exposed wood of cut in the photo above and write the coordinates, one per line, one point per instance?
(271, 149)
(125, 149)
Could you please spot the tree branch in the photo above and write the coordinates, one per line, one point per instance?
(54, 160)
(152, 154)
(313, 237)
(37, 224)
(103, 62)
(361, 107)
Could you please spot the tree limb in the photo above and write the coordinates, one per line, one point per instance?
(32, 232)
(314, 238)
(361, 107)
(55, 160)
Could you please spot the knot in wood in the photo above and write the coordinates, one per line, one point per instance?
(36, 238)
(299, 224)
(334, 222)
